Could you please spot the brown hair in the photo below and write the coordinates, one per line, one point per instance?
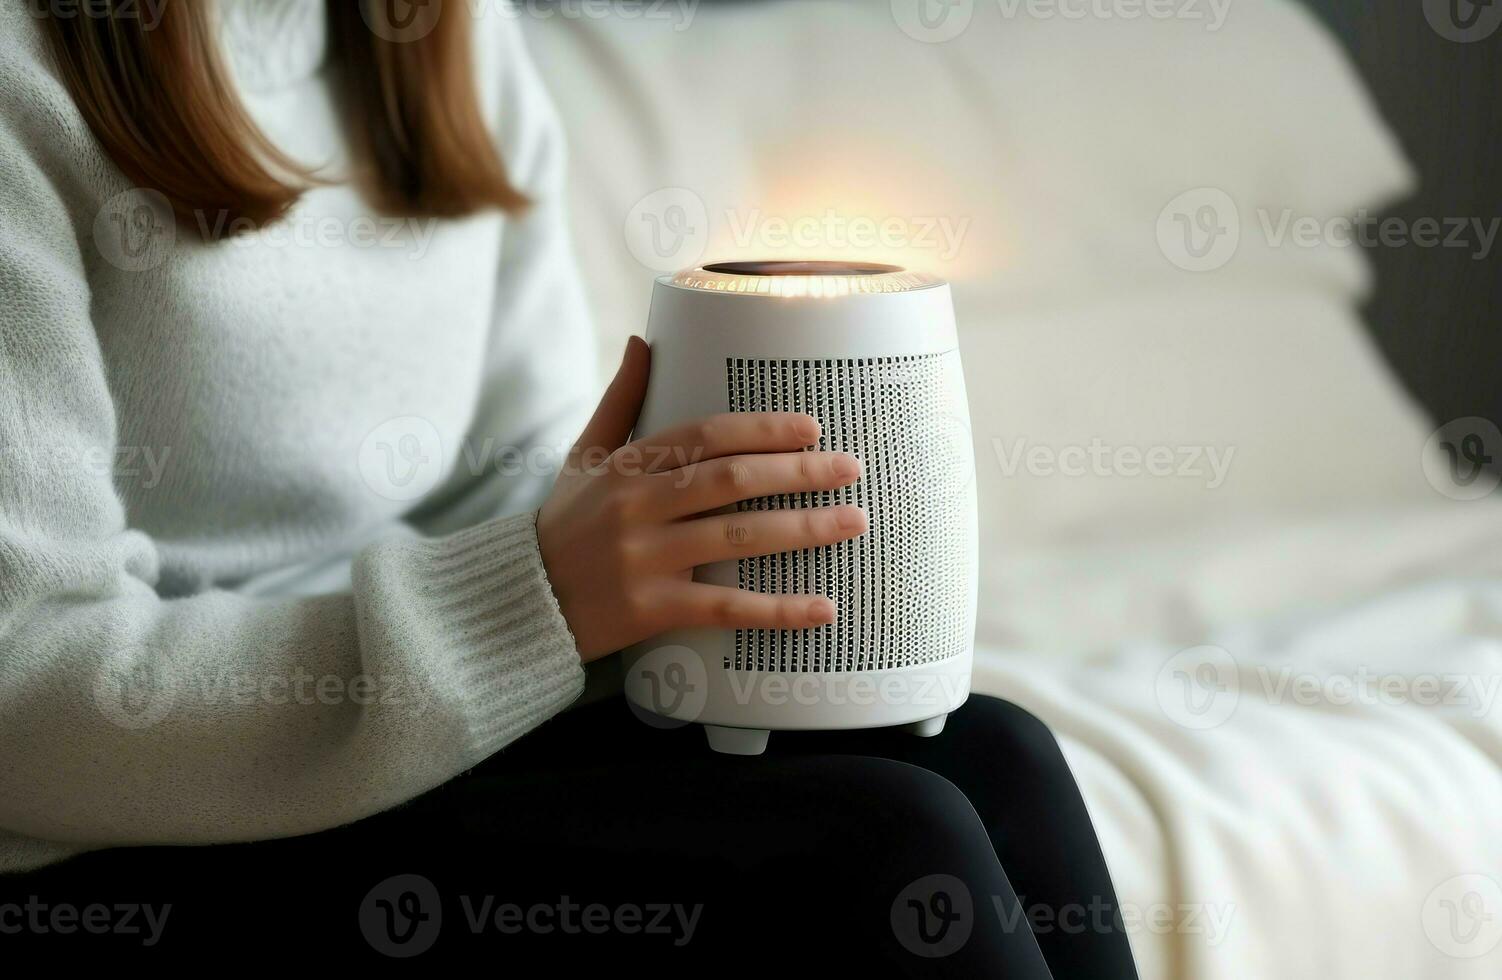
(160, 102)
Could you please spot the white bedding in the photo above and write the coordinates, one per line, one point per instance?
(1334, 823)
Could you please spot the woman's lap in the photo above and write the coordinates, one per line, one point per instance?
(598, 834)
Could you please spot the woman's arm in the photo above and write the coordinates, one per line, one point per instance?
(126, 718)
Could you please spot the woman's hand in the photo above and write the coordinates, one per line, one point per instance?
(626, 524)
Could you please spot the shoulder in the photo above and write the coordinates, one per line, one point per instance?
(29, 82)
(21, 26)
(516, 100)
(48, 155)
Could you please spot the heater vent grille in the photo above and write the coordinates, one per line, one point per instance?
(903, 589)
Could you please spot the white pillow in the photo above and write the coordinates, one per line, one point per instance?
(1054, 146)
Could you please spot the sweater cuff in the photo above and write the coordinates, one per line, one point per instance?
(512, 660)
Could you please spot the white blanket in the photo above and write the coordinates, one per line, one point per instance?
(1315, 794)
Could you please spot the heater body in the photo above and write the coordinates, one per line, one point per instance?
(878, 364)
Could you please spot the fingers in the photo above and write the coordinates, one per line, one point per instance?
(718, 483)
(730, 434)
(723, 607)
(616, 414)
(742, 535)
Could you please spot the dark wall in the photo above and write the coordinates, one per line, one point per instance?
(1437, 312)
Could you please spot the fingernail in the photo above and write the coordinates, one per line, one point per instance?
(809, 431)
(850, 518)
(821, 611)
(847, 467)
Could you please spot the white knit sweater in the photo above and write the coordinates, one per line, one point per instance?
(254, 577)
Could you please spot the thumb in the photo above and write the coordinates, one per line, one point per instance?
(615, 417)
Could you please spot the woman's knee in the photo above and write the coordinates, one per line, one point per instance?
(1013, 734)
(915, 802)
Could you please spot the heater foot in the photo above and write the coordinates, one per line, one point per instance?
(928, 727)
(736, 741)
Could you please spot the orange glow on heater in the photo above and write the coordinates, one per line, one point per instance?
(794, 279)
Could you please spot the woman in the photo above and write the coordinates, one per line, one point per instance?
(290, 327)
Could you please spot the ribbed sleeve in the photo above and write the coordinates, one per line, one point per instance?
(479, 601)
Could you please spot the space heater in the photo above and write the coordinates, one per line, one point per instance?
(870, 351)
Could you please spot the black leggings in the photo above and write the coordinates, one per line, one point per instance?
(597, 837)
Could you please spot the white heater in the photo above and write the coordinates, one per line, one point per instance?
(871, 352)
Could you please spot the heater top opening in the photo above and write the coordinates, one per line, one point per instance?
(801, 269)
(791, 279)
